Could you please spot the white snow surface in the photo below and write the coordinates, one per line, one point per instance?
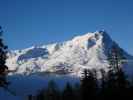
(70, 57)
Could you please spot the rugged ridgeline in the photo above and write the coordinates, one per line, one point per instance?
(70, 57)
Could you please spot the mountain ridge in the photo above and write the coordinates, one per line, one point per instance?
(70, 57)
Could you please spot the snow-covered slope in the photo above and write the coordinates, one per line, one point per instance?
(70, 57)
(5, 95)
(22, 86)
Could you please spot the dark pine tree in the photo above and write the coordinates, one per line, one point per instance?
(89, 85)
(103, 85)
(41, 95)
(68, 93)
(115, 58)
(3, 57)
(116, 82)
(77, 91)
(52, 92)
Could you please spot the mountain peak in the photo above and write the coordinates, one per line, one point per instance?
(103, 31)
(86, 51)
(98, 38)
(93, 35)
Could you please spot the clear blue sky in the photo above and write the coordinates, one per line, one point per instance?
(29, 22)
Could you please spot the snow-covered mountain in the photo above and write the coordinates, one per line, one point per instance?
(70, 57)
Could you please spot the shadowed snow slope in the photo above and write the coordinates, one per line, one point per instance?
(22, 86)
(5, 95)
(70, 57)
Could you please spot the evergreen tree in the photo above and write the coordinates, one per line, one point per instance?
(77, 91)
(41, 95)
(103, 79)
(115, 58)
(3, 57)
(68, 93)
(89, 85)
(52, 92)
(103, 84)
(116, 82)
